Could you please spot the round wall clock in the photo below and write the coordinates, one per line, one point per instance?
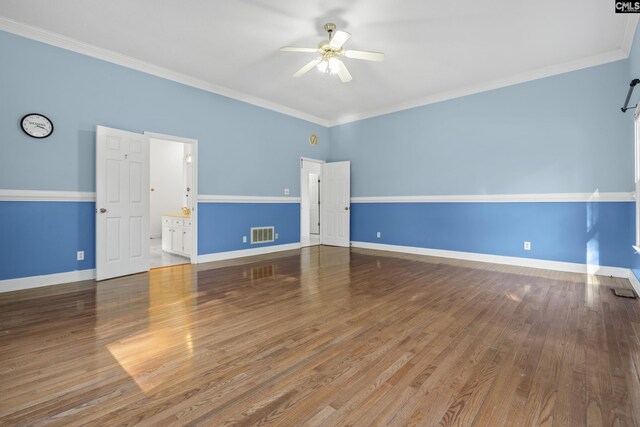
(36, 125)
(313, 139)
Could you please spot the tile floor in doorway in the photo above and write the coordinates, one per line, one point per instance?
(159, 258)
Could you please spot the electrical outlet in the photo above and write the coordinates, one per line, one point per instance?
(286, 191)
(527, 246)
(80, 255)
(276, 236)
(378, 234)
(244, 239)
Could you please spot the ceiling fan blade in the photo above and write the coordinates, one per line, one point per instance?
(339, 39)
(343, 73)
(307, 67)
(367, 56)
(298, 49)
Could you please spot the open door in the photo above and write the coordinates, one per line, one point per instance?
(122, 203)
(335, 203)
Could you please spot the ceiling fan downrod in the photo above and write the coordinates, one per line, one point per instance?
(330, 28)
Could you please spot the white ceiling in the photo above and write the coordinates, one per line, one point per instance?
(434, 49)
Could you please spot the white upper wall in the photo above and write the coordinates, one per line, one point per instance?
(167, 181)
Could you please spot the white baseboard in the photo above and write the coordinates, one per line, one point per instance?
(21, 283)
(220, 256)
(635, 284)
(498, 259)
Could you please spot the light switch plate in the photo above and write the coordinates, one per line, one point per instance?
(527, 246)
(286, 191)
(378, 234)
(244, 239)
(80, 256)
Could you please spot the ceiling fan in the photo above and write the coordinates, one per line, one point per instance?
(330, 52)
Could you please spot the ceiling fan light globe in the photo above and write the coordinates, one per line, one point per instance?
(323, 67)
(333, 65)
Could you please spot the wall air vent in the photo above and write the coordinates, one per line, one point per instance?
(262, 235)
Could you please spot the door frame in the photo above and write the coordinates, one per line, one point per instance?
(304, 198)
(194, 168)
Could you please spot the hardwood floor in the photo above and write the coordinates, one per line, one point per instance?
(323, 336)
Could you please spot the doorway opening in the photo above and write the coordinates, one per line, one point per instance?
(310, 182)
(172, 201)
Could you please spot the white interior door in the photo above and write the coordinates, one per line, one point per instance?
(335, 203)
(122, 203)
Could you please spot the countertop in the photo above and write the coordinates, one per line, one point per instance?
(177, 215)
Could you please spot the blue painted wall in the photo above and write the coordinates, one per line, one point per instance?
(222, 225)
(243, 149)
(634, 65)
(594, 233)
(561, 134)
(634, 73)
(43, 237)
(554, 135)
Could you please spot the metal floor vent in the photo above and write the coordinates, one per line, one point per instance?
(261, 235)
(624, 292)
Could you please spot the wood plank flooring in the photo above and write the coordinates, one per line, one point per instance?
(323, 336)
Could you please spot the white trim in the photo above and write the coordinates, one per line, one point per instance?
(305, 213)
(553, 70)
(194, 185)
(9, 285)
(629, 33)
(505, 198)
(78, 46)
(635, 284)
(205, 198)
(498, 259)
(21, 283)
(221, 256)
(171, 138)
(309, 159)
(46, 196)
(77, 196)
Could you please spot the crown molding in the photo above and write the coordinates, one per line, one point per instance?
(629, 33)
(77, 46)
(553, 70)
(502, 198)
(58, 40)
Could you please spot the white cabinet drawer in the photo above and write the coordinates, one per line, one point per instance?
(166, 220)
(177, 221)
(187, 222)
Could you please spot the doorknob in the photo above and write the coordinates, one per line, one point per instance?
(347, 208)
(103, 210)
